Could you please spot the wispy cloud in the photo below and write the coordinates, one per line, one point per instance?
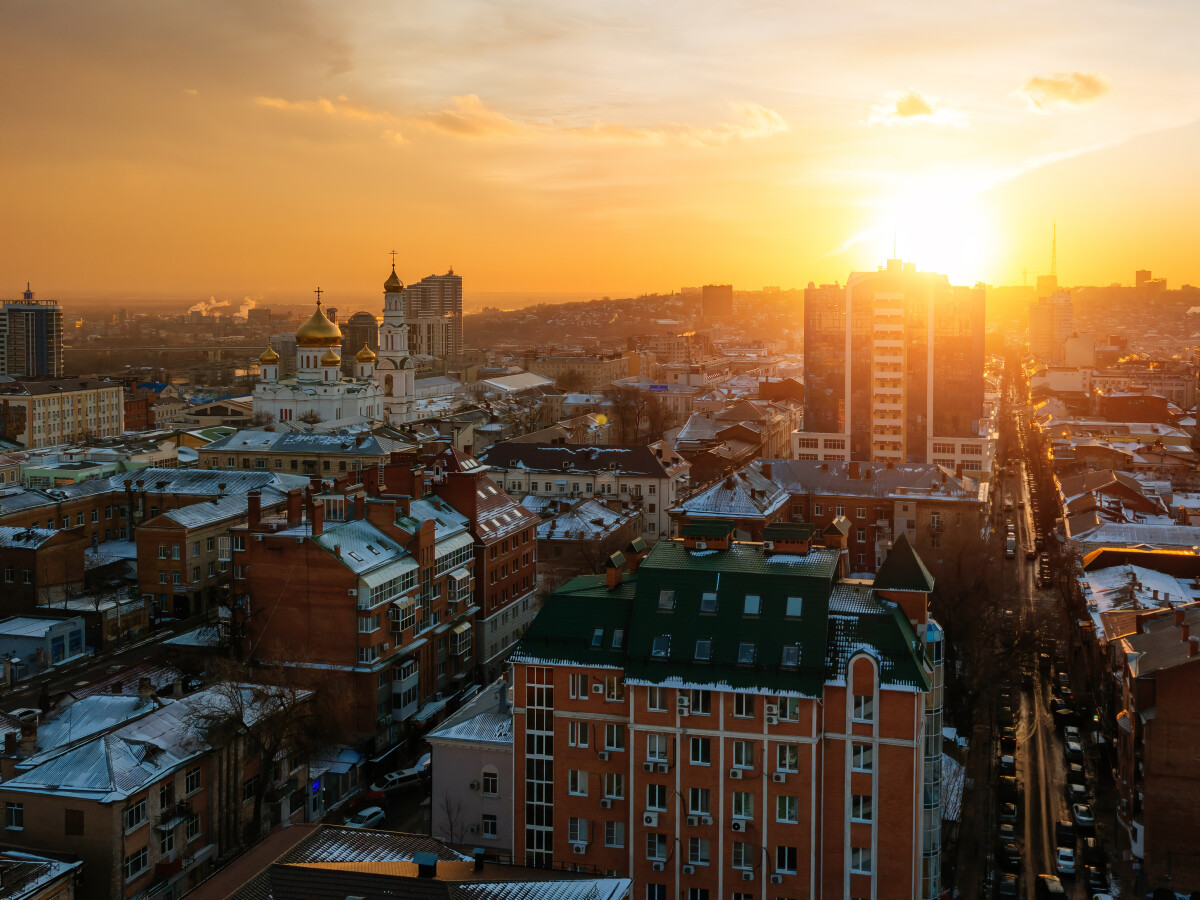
(469, 118)
(910, 107)
(1063, 89)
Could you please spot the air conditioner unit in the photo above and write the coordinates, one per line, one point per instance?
(768, 545)
(597, 689)
(776, 878)
(647, 767)
(701, 545)
(772, 709)
(772, 720)
(683, 701)
(657, 867)
(606, 803)
(737, 825)
(474, 785)
(650, 820)
(663, 767)
(779, 777)
(353, 592)
(603, 754)
(693, 821)
(748, 875)
(706, 820)
(689, 870)
(735, 774)
(579, 848)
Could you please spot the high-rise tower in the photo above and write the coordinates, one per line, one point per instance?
(31, 337)
(433, 311)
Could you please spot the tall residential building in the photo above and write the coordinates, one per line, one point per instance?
(716, 301)
(31, 337)
(358, 331)
(433, 311)
(735, 718)
(1051, 323)
(894, 367)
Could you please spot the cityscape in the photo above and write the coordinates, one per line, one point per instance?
(598, 453)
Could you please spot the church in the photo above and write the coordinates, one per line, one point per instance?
(381, 389)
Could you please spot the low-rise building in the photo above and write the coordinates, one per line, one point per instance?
(38, 567)
(326, 455)
(580, 536)
(35, 644)
(45, 412)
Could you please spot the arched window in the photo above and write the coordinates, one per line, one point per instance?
(387, 385)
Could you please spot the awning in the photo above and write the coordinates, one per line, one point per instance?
(450, 544)
(341, 761)
(461, 629)
(384, 574)
(460, 575)
(429, 710)
(404, 602)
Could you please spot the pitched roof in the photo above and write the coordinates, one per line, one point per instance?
(575, 458)
(903, 570)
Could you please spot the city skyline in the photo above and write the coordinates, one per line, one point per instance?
(214, 149)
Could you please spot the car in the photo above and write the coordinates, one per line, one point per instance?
(1071, 733)
(1010, 788)
(1085, 819)
(395, 780)
(1009, 885)
(371, 817)
(1073, 751)
(1050, 887)
(25, 713)
(1064, 717)
(1044, 663)
(1064, 833)
(1008, 745)
(1008, 833)
(1039, 542)
(425, 763)
(1076, 793)
(1008, 813)
(1007, 716)
(1030, 553)
(1010, 857)
(1093, 854)
(1008, 765)
(1075, 774)
(1064, 861)
(1094, 878)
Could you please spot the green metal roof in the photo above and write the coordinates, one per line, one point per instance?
(903, 570)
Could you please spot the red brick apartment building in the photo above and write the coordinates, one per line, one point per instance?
(1158, 731)
(734, 719)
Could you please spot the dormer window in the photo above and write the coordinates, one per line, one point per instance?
(666, 599)
(618, 638)
(794, 607)
(597, 637)
(791, 656)
(746, 652)
(708, 602)
(703, 651)
(661, 648)
(753, 605)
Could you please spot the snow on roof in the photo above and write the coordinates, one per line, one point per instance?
(489, 727)
(26, 626)
(86, 717)
(589, 520)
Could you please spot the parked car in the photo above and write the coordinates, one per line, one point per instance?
(371, 817)
(1076, 793)
(1008, 745)
(1010, 788)
(1008, 765)
(1010, 857)
(1093, 854)
(1064, 861)
(1007, 716)
(1071, 733)
(1008, 833)
(1008, 813)
(1094, 879)
(395, 780)
(1049, 887)
(1009, 885)
(1064, 833)
(1085, 819)
(1073, 751)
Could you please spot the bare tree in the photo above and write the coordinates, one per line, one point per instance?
(522, 414)
(262, 418)
(453, 827)
(629, 405)
(311, 417)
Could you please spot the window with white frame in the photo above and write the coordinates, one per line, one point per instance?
(743, 805)
(699, 800)
(136, 863)
(491, 783)
(135, 815)
(743, 855)
(577, 782)
(860, 860)
(14, 816)
(698, 851)
(789, 709)
(864, 708)
(701, 703)
(785, 859)
(656, 796)
(743, 754)
(701, 751)
(786, 809)
(577, 734)
(614, 785)
(656, 846)
(614, 834)
(577, 686)
(743, 705)
(860, 808)
(787, 758)
(490, 826)
(577, 830)
(614, 736)
(862, 757)
(656, 747)
(656, 699)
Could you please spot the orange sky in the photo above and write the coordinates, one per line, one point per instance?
(230, 148)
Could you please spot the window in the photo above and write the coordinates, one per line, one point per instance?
(743, 855)
(860, 860)
(577, 830)
(618, 638)
(743, 805)
(860, 808)
(614, 688)
(656, 796)
(787, 758)
(666, 599)
(661, 648)
(817, 509)
(743, 754)
(614, 834)
(703, 651)
(209, 543)
(577, 734)
(785, 859)
(795, 606)
(839, 510)
(14, 816)
(491, 784)
(166, 843)
(860, 512)
(698, 851)
(597, 637)
(656, 699)
(136, 863)
(790, 658)
(656, 747)
(786, 809)
(701, 704)
(577, 782)
(864, 708)
(656, 846)
(135, 815)
(862, 757)
(192, 828)
(753, 605)
(708, 602)
(614, 785)
(701, 751)
(698, 801)
(860, 534)
(614, 736)
(578, 687)
(743, 705)
(789, 708)
(489, 826)
(368, 624)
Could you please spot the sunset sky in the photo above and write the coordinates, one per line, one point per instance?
(204, 148)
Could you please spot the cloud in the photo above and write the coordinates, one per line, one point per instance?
(469, 118)
(191, 92)
(910, 107)
(1063, 89)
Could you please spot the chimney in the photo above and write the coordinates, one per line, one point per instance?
(28, 739)
(1185, 632)
(10, 743)
(612, 573)
(1155, 593)
(958, 471)
(337, 550)
(253, 508)
(316, 517)
(295, 506)
(768, 470)
(729, 480)
(145, 688)
(115, 688)
(426, 864)
(1179, 616)
(853, 471)
(1193, 647)
(477, 855)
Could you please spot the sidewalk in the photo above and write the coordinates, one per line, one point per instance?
(973, 862)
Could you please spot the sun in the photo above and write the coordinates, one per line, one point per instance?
(941, 224)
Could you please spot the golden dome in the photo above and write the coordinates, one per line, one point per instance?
(269, 356)
(393, 284)
(318, 331)
(330, 358)
(366, 354)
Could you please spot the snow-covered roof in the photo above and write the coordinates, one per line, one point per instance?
(588, 520)
(488, 728)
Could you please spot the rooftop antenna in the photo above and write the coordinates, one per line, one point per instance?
(1054, 251)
